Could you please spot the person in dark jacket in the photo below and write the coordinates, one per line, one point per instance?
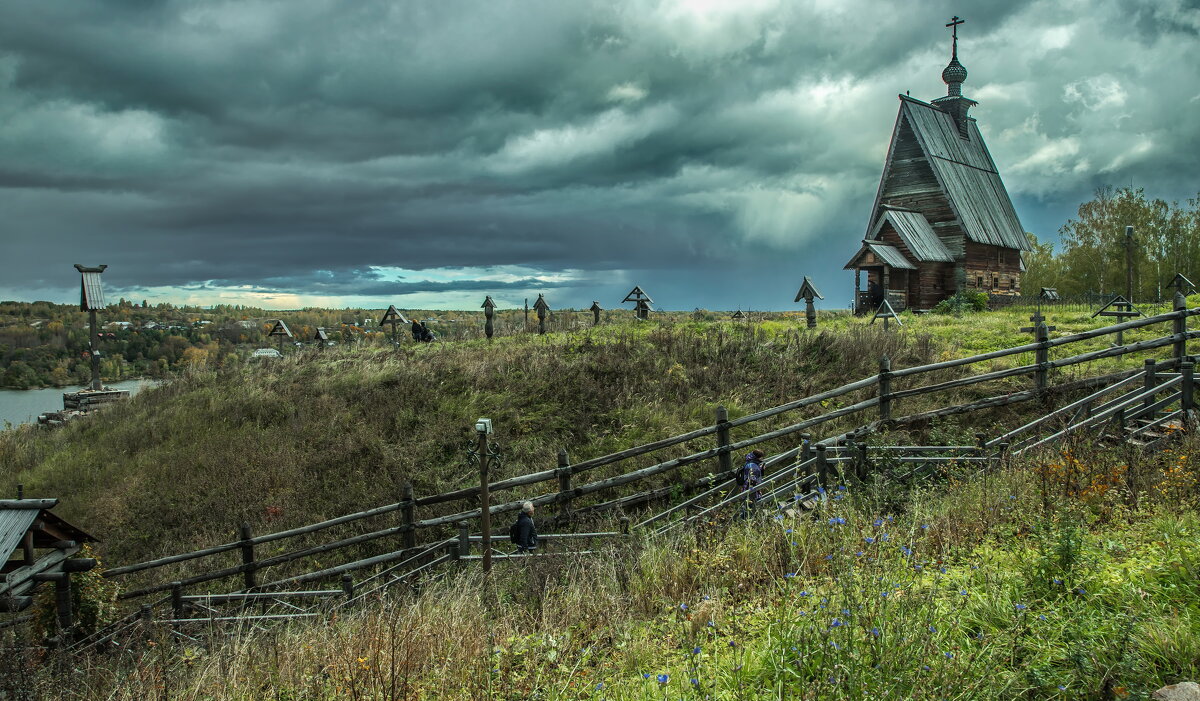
(749, 478)
(523, 533)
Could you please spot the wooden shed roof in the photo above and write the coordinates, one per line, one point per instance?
(916, 233)
(966, 172)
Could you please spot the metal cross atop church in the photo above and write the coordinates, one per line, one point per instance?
(953, 23)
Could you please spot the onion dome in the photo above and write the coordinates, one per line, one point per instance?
(954, 75)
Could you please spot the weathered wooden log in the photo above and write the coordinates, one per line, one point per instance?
(249, 576)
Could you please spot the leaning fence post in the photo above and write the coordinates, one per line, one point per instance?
(249, 576)
(565, 492)
(408, 508)
(1187, 401)
(1180, 326)
(348, 586)
(822, 466)
(1150, 380)
(464, 539)
(885, 388)
(724, 458)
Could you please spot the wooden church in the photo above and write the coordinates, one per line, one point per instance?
(942, 220)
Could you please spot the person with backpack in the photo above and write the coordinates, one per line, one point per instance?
(523, 533)
(748, 478)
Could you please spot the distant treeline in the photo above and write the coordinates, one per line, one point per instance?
(44, 344)
(1091, 255)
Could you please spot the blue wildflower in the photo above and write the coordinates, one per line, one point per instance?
(790, 574)
(711, 624)
(932, 629)
(1041, 616)
(963, 592)
(878, 522)
(829, 557)
(788, 531)
(803, 593)
(906, 551)
(841, 487)
(869, 540)
(884, 594)
(599, 685)
(662, 678)
(1020, 607)
(1061, 687)
(883, 537)
(683, 607)
(1081, 590)
(924, 526)
(645, 675)
(694, 681)
(836, 623)
(875, 632)
(696, 651)
(949, 655)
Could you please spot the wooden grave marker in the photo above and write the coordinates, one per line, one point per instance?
(1119, 307)
(91, 299)
(808, 291)
(595, 309)
(489, 311)
(738, 315)
(541, 307)
(393, 317)
(641, 302)
(886, 312)
(280, 331)
(321, 338)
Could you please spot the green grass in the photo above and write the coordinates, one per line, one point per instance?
(1014, 585)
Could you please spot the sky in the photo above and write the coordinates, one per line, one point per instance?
(424, 154)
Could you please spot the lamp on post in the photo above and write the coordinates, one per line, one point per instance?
(488, 455)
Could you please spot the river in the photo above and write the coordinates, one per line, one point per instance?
(22, 406)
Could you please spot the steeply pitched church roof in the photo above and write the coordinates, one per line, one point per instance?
(965, 171)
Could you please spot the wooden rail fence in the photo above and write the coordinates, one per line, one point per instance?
(798, 472)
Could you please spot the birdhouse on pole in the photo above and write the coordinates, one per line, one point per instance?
(393, 317)
(808, 291)
(541, 307)
(280, 331)
(489, 310)
(595, 310)
(641, 302)
(91, 299)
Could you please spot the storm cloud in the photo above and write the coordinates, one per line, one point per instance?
(423, 154)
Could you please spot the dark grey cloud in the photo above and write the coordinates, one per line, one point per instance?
(721, 150)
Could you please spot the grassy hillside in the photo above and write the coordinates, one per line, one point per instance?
(1072, 576)
(310, 437)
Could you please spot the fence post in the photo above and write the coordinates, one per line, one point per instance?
(408, 509)
(249, 576)
(348, 586)
(1151, 380)
(147, 615)
(822, 466)
(885, 388)
(624, 525)
(1180, 326)
(1004, 456)
(176, 600)
(485, 501)
(724, 459)
(805, 446)
(1187, 401)
(1042, 355)
(464, 539)
(864, 462)
(565, 492)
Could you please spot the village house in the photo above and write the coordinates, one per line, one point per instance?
(942, 221)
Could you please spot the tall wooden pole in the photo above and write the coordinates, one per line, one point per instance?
(1129, 264)
(94, 329)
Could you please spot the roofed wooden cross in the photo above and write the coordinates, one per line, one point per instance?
(808, 291)
(280, 329)
(541, 304)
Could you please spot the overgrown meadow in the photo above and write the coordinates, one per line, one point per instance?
(1070, 575)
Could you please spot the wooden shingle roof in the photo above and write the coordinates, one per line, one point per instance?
(887, 254)
(966, 173)
(916, 233)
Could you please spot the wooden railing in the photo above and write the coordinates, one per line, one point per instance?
(795, 463)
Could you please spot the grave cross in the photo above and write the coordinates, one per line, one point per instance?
(541, 307)
(394, 317)
(641, 302)
(489, 310)
(807, 292)
(595, 309)
(1182, 284)
(1039, 321)
(281, 331)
